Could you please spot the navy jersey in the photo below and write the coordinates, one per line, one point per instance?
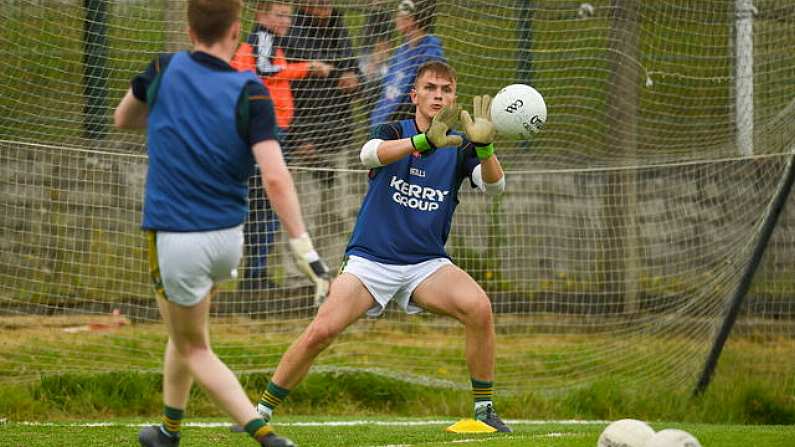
(199, 141)
(407, 212)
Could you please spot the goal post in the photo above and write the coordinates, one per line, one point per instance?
(744, 69)
(733, 305)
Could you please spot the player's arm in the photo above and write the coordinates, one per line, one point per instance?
(488, 175)
(380, 151)
(131, 113)
(280, 188)
(491, 170)
(276, 178)
(133, 109)
(377, 152)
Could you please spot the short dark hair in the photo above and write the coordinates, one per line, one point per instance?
(439, 68)
(210, 19)
(378, 27)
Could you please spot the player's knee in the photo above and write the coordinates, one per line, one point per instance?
(319, 336)
(192, 349)
(477, 311)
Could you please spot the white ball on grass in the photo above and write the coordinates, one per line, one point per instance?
(625, 433)
(671, 437)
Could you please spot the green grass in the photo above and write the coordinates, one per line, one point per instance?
(686, 112)
(386, 432)
(753, 385)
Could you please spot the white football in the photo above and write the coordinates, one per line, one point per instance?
(671, 437)
(585, 10)
(518, 111)
(626, 433)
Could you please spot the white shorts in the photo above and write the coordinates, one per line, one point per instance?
(387, 282)
(186, 266)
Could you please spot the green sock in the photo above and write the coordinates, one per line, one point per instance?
(273, 396)
(172, 421)
(257, 428)
(482, 392)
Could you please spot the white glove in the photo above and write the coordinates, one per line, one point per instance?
(310, 264)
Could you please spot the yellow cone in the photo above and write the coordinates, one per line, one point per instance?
(470, 426)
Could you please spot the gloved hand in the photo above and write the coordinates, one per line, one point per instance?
(481, 130)
(310, 264)
(436, 135)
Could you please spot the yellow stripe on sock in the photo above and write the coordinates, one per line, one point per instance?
(270, 399)
(264, 430)
(171, 425)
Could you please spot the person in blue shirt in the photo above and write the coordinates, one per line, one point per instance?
(374, 54)
(413, 22)
(206, 125)
(396, 252)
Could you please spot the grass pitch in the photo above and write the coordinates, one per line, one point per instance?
(379, 432)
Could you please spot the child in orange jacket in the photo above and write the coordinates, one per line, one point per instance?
(262, 54)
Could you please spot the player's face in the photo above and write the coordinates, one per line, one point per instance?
(278, 19)
(431, 93)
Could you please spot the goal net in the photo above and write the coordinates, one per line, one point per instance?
(623, 232)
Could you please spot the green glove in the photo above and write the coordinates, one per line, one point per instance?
(481, 131)
(436, 135)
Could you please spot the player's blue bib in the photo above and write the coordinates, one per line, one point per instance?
(198, 164)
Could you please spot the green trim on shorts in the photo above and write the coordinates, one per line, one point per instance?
(154, 264)
(342, 265)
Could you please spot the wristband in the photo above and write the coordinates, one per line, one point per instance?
(421, 142)
(485, 152)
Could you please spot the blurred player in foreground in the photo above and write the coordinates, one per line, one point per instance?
(397, 250)
(207, 126)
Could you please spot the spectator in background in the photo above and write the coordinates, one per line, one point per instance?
(323, 126)
(323, 116)
(373, 59)
(263, 54)
(413, 21)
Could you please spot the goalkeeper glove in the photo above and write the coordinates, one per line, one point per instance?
(436, 135)
(310, 264)
(481, 131)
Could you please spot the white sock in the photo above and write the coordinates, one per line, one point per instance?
(482, 404)
(265, 411)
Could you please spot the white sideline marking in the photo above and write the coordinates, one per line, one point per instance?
(310, 424)
(468, 440)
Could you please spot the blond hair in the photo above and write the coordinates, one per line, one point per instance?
(439, 68)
